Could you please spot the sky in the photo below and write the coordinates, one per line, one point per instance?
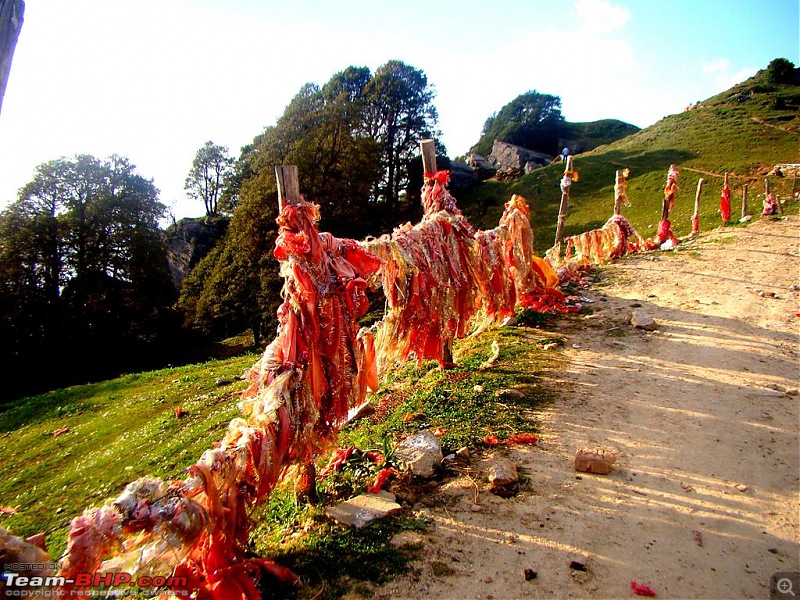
(153, 80)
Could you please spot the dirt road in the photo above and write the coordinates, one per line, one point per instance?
(704, 501)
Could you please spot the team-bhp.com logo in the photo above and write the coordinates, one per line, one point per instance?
(84, 584)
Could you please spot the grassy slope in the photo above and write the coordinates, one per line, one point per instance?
(119, 430)
(719, 136)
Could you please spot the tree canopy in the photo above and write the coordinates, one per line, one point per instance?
(210, 171)
(531, 120)
(353, 140)
(83, 271)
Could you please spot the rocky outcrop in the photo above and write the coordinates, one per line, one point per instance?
(189, 241)
(508, 157)
(483, 168)
(462, 176)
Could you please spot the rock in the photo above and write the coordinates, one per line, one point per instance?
(482, 167)
(642, 320)
(462, 176)
(509, 393)
(742, 487)
(189, 241)
(530, 574)
(596, 461)
(503, 478)
(420, 452)
(792, 392)
(222, 381)
(509, 156)
(364, 509)
(463, 452)
(360, 412)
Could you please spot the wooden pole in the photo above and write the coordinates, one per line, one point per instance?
(288, 185)
(566, 182)
(668, 195)
(428, 149)
(696, 216)
(744, 202)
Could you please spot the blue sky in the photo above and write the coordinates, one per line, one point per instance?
(153, 80)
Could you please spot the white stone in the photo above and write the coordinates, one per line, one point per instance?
(420, 452)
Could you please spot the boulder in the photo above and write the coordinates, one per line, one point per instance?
(420, 452)
(510, 157)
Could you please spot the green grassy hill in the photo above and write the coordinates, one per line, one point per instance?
(745, 131)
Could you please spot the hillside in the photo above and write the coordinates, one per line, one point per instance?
(745, 131)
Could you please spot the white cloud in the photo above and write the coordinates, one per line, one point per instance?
(717, 65)
(600, 16)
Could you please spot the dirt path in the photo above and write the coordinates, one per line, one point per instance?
(704, 500)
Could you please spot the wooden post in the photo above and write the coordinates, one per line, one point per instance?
(428, 149)
(620, 190)
(566, 182)
(288, 185)
(777, 200)
(669, 194)
(744, 203)
(696, 216)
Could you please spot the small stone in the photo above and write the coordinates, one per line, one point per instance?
(420, 452)
(530, 574)
(742, 487)
(463, 452)
(478, 389)
(503, 478)
(642, 320)
(360, 412)
(792, 392)
(509, 393)
(222, 381)
(773, 550)
(596, 461)
(364, 509)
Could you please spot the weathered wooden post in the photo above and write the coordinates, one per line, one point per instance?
(621, 190)
(696, 215)
(566, 183)
(725, 202)
(288, 182)
(288, 185)
(428, 150)
(745, 216)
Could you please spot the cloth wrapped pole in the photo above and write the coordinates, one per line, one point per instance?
(725, 204)
(319, 366)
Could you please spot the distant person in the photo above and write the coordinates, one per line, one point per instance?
(565, 153)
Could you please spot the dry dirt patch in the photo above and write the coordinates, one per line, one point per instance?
(704, 501)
